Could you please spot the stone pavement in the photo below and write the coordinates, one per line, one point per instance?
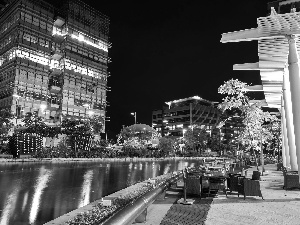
(278, 207)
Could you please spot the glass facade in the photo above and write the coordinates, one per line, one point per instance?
(57, 59)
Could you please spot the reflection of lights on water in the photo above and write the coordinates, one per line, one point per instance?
(25, 199)
(107, 168)
(167, 168)
(40, 185)
(141, 166)
(130, 166)
(86, 188)
(9, 206)
(154, 170)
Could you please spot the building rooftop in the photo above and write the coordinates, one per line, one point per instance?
(189, 99)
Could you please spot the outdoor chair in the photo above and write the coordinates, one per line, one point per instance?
(247, 187)
(291, 180)
(279, 166)
(252, 188)
(256, 175)
(234, 183)
(193, 185)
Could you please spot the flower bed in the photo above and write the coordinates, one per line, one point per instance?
(100, 213)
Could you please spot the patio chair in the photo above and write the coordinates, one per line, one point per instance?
(291, 180)
(234, 182)
(252, 188)
(279, 166)
(193, 185)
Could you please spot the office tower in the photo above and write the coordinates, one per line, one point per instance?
(53, 61)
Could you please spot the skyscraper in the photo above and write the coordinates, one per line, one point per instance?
(53, 61)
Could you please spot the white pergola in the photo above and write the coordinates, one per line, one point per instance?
(278, 37)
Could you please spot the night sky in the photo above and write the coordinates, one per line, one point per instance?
(166, 50)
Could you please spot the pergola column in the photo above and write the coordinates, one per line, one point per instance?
(294, 80)
(289, 122)
(285, 146)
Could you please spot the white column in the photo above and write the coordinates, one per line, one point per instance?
(289, 121)
(285, 146)
(295, 92)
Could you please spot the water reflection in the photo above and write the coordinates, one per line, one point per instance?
(10, 205)
(35, 193)
(41, 184)
(25, 199)
(86, 189)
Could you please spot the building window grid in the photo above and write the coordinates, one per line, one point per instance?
(30, 90)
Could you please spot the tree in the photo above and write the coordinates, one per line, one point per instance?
(139, 135)
(196, 138)
(79, 132)
(34, 124)
(254, 131)
(165, 146)
(5, 125)
(96, 123)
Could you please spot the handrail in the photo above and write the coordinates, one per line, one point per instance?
(128, 214)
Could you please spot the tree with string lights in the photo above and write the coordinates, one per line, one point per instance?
(254, 132)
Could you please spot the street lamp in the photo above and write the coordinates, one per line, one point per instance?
(134, 114)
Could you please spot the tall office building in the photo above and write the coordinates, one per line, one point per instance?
(53, 61)
(180, 114)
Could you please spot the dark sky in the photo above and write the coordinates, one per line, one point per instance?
(166, 50)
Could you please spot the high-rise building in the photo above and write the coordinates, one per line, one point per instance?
(53, 61)
(179, 115)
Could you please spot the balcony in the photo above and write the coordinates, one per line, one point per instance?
(54, 89)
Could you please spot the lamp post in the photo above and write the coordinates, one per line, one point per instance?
(134, 114)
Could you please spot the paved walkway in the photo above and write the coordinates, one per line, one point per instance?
(279, 207)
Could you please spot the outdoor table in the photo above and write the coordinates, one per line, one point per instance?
(215, 183)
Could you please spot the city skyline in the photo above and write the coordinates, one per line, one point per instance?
(162, 52)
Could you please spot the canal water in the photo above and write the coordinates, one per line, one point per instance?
(35, 193)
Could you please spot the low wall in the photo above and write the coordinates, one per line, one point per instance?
(66, 217)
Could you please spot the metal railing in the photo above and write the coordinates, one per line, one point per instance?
(128, 214)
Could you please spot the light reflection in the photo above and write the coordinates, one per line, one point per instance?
(167, 168)
(130, 167)
(40, 185)
(25, 200)
(141, 166)
(10, 206)
(154, 169)
(86, 189)
(107, 168)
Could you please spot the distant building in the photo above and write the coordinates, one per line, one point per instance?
(179, 115)
(284, 6)
(53, 61)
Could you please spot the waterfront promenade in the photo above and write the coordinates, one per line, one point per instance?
(278, 207)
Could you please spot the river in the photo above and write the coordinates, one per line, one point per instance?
(35, 193)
